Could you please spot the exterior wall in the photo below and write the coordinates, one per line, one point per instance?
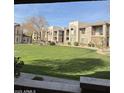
(42, 35)
(108, 31)
(34, 36)
(73, 28)
(38, 36)
(101, 40)
(75, 33)
(18, 32)
(56, 34)
(66, 36)
(89, 33)
(86, 37)
(19, 37)
(83, 33)
(27, 40)
(97, 33)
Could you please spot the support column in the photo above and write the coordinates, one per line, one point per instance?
(105, 35)
(64, 36)
(89, 34)
(58, 36)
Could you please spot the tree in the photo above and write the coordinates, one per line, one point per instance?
(37, 25)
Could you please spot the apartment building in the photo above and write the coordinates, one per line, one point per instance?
(77, 32)
(96, 34)
(26, 39)
(38, 36)
(85, 34)
(55, 34)
(100, 34)
(19, 36)
(18, 33)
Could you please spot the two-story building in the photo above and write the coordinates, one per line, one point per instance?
(39, 36)
(19, 36)
(18, 33)
(56, 34)
(96, 34)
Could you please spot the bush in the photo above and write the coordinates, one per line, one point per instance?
(76, 43)
(91, 44)
(48, 43)
(52, 43)
(69, 43)
(18, 64)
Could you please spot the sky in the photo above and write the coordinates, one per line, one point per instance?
(60, 14)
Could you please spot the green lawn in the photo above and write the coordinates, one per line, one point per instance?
(65, 62)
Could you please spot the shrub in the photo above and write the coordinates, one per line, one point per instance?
(52, 43)
(69, 43)
(91, 44)
(76, 43)
(48, 43)
(18, 64)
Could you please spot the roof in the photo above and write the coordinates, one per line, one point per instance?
(100, 23)
(24, 35)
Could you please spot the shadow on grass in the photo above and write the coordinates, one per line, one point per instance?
(99, 74)
(65, 68)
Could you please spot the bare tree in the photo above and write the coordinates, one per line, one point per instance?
(37, 25)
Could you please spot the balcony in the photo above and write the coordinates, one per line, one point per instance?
(97, 30)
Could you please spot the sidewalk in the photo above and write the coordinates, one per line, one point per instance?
(49, 83)
(47, 78)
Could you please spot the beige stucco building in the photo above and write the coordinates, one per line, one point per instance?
(55, 34)
(85, 34)
(19, 36)
(66, 35)
(39, 36)
(18, 33)
(92, 34)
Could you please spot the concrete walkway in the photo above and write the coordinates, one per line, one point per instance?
(47, 78)
(48, 82)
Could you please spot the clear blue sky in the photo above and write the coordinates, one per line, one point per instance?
(60, 14)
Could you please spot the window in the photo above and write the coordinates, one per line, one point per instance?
(61, 33)
(16, 39)
(93, 32)
(17, 31)
(82, 30)
(108, 28)
(67, 38)
(55, 33)
(49, 33)
(72, 29)
(97, 30)
(67, 32)
(55, 38)
(100, 30)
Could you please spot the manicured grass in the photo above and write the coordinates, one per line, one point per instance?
(65, 62)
